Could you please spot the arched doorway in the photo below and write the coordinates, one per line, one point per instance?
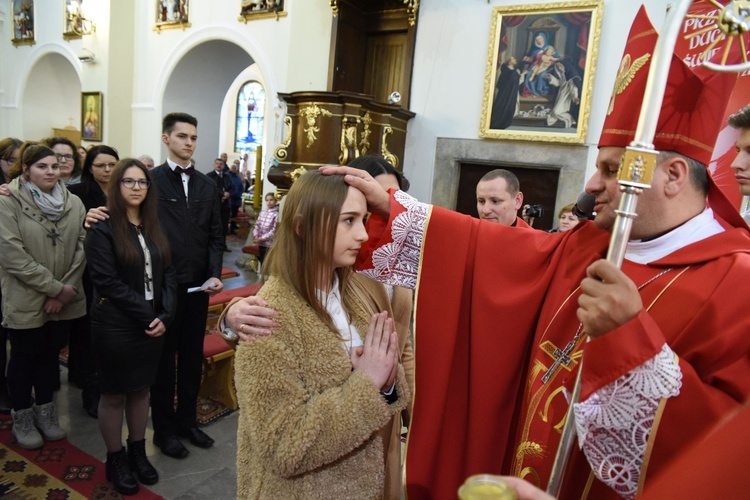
(51, 97)
(198, 85)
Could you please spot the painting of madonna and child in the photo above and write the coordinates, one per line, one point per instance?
(540, 69)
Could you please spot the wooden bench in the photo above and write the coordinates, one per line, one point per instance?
(218, 357)
(218, 371)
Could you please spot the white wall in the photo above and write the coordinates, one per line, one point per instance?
(449, 68)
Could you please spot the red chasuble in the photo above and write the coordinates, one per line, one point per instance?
(493, 304)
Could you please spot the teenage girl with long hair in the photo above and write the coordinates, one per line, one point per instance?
(315, 393)
(129, 262)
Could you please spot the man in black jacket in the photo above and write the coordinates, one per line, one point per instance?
(220, 175)
(189, 215)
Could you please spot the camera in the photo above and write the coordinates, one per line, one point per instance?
(534, 211)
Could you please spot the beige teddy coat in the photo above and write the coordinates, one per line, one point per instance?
(308, 423)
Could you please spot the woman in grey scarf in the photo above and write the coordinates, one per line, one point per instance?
(42, 261)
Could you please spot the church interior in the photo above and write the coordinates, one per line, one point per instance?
(304, 83)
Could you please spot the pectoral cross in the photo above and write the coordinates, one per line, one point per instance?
(561, 358)
(147, 280)
(54, 236)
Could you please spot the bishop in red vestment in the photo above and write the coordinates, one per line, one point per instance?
(502, 314)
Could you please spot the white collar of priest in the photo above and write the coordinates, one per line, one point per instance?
(700, 227)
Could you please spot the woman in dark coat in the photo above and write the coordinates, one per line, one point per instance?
(95, 175)
(129, 263)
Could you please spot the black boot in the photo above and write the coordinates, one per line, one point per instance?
(119, 473)
(90, 400)
(139, 463)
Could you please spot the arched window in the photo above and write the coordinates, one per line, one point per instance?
(251, 106)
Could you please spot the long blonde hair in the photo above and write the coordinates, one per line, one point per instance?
(302, 252)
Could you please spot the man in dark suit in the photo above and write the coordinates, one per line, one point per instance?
(189, 215)
(220, 175)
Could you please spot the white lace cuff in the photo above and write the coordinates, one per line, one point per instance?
(397, 263)
(614, 424)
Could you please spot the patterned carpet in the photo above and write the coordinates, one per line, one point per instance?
(58, 471)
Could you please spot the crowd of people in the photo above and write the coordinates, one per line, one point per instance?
(102, 254)
(123, 258)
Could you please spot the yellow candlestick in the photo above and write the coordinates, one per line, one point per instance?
(258, 179)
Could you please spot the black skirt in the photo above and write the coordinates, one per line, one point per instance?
(126, 358)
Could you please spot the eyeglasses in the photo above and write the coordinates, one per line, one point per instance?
(64, 157)
(130, 183)
(104, 165)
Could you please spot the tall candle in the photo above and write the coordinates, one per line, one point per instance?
(258, 179)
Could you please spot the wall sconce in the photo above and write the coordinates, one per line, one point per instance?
(76, 24)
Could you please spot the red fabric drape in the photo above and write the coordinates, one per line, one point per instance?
(582, 19)
(507, 22)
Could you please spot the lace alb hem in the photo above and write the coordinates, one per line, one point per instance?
(397, 263)
(614, 424)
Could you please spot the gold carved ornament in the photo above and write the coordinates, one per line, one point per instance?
(348, 140)
(412, 8)
(625, 75)
(389, 157)
(311, 114)
(364, 143)
(281, 150)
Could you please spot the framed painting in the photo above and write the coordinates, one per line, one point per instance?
(73, 20)
(261, 9)
(540, 71)
(23, 22)
(91, 116)
(171, 14)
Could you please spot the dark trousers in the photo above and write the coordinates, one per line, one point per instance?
(224, 212)
(34, 362)
(184, 338)
(233, 212)
(262, 251)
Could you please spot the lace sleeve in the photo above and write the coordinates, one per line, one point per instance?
(614, 424)
(397, 262)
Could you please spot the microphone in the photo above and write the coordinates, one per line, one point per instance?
(584, 207)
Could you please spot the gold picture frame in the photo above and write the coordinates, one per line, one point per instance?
(22, 22)
(261, 9)
(171, 14)
(92, 104)
(541, 62)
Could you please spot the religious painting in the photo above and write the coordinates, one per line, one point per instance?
(91, 116)
(73, 20)
(170, 14)
(261, 9)
(540, 71)
(22, 12)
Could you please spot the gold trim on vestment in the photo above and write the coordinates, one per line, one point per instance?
(414, 345)
(652, 438)
(535, 400)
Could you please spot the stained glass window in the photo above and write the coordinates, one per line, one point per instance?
(251, 105)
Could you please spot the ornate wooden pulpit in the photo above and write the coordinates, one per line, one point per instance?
(333, 128)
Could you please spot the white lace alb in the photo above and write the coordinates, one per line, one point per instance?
(614, 424)
(397, 263)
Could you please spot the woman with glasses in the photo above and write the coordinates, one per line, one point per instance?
(67, 157)
(8, 155)
(97, 170)
(128, 259)
(42, 261)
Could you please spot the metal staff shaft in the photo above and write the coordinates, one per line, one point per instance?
(636, 171)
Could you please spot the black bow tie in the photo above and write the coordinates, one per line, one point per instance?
(187, 171)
